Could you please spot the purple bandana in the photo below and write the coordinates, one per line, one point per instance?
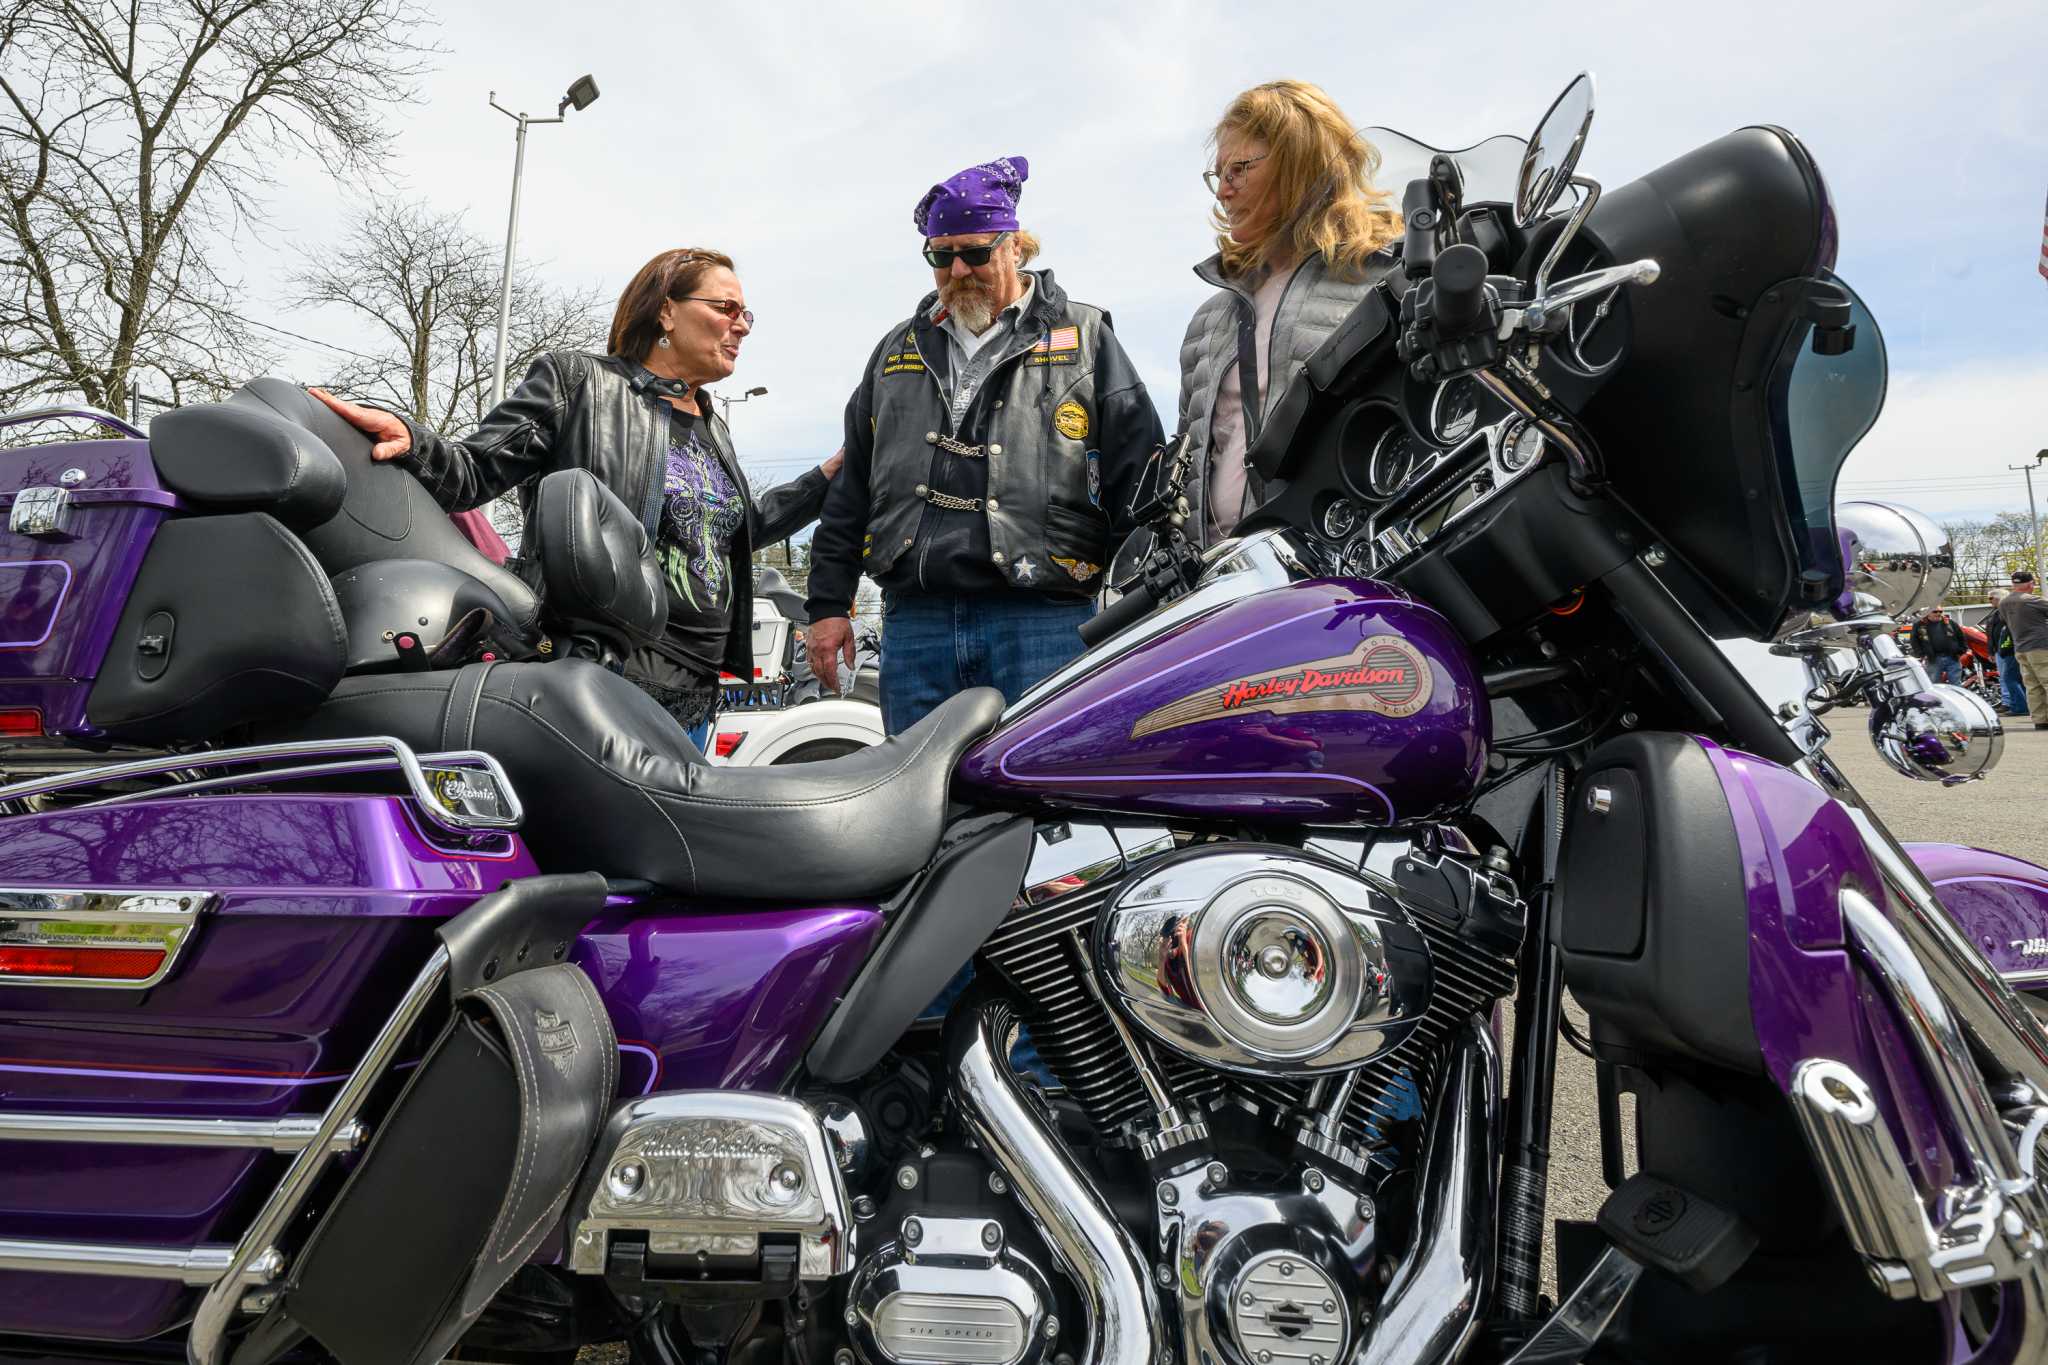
(980, 199)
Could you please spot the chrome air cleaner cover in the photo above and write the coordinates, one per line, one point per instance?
(1263, 958)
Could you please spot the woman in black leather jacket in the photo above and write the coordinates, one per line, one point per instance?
(640, 420)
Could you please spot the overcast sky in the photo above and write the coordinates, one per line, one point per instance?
(797, 138)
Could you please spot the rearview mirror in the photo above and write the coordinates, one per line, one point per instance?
(1896, 555)
(1553, 151)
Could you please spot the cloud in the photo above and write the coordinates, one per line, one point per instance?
(1946, 438)
(798, 136)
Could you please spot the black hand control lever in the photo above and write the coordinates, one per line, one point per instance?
(1460, 276)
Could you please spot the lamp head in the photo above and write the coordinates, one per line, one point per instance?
(582, 94)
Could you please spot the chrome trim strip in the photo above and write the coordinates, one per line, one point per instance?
(198, 1265)
(88, 918)
(1437, 1297)
(121, 1130)
(208, 1341)
(1122, 1320)
(398, 754)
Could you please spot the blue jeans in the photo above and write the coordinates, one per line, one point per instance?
(2010, 683)
(1946, 668)
(936, 645)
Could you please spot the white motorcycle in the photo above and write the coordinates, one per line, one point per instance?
(783, 714)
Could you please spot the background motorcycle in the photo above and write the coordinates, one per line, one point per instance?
(300, 1067)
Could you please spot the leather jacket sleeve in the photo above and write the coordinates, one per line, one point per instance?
(513, 444)
(1130, 429)
(842, 526)
(787, 508)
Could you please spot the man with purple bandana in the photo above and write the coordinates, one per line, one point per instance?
(992, 449)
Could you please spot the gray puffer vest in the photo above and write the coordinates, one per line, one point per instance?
(1313, 305)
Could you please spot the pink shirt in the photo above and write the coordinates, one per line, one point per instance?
(1226, 422)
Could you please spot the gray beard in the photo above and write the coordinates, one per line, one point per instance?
(974, 310)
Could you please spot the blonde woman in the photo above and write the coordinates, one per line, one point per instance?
(1302, 233)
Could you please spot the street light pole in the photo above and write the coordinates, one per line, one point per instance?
(2033, 512)
(725, 404)
(582, 94)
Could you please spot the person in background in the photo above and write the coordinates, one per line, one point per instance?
(2026, 617)
(641, 420)
(1998, 639)
(1302, 233)
(1940, 641)
(992, 450)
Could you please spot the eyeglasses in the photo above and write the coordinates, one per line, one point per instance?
(941, 257)
(730, 307)
(1232, 175)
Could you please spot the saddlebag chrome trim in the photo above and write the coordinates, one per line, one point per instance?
(207, 1344)
(81, 918)
(200, 1265)
(1122, 1320)
(122, 1130)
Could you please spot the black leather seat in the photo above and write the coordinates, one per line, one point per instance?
(612, 784)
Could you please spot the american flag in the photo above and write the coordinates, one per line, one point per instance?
(2044, 246)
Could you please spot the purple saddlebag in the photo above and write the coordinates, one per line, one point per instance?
(471, 1170)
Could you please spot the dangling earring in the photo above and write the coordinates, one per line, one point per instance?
(663, 343)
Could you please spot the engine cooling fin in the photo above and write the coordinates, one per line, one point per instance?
(1034, 952)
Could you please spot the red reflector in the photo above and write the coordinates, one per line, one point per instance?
(113, 964)
(21, 722)
(757, 670)
(725, 744)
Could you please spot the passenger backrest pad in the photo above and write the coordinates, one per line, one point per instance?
(230, 621)
(241, 456)
(386, 513)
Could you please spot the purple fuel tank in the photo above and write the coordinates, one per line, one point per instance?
(1332, 700)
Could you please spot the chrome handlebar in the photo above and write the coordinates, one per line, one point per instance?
(1551, 305)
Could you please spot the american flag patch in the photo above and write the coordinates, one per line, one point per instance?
(1060, 339)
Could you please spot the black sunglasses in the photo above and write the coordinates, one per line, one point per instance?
(941, 257)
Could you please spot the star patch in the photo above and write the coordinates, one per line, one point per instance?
(1027, 572)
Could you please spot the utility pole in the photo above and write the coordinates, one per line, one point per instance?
(2033, 511)
(582, 94)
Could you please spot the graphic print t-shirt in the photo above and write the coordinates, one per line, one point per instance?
(701, 511)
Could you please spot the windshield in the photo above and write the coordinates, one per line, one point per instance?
(1823, 405)
(1491, 168)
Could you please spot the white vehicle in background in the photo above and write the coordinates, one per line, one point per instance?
(783, 714)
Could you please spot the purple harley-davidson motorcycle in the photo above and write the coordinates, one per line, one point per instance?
(384, 979)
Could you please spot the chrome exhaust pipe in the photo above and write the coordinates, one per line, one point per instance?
(1435, 1300)
(1123, 1324)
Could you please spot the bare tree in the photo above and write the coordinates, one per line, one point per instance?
(1987, 553)
(132, 138)
(428, 287)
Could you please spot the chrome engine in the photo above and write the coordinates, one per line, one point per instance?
(1262, 1029)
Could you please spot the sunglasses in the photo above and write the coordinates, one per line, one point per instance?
(941, 257)
(730, 307)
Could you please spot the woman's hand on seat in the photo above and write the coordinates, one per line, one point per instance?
(392, 437)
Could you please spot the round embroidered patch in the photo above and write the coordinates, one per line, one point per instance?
(1072, 420)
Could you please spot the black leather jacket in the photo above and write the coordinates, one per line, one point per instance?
(602, 413)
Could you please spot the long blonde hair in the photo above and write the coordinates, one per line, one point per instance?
(1319, 170)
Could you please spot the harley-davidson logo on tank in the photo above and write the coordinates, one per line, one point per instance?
(1384, 674)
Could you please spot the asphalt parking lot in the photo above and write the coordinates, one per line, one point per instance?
(1996, 813)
